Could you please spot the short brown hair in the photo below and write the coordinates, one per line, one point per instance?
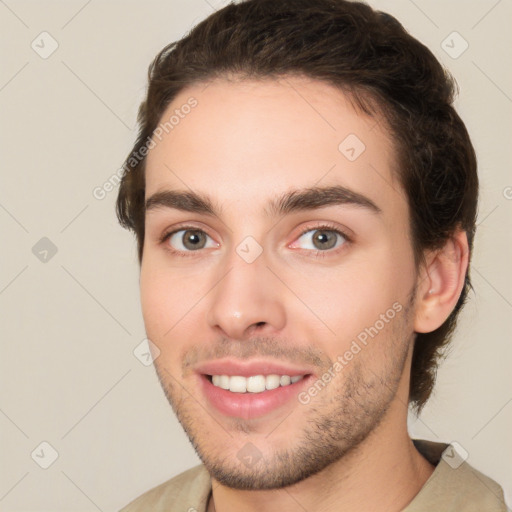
(368, 55)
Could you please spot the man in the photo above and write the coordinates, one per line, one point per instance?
(304, 199)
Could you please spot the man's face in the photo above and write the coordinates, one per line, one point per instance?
(269, 289)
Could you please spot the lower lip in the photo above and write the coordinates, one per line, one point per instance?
(251, 405)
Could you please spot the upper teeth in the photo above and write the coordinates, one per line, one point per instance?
(253, 384)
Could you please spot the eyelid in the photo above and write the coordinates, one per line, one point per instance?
(327, 253)
(182, 227)
(163, 240)
(327, 226)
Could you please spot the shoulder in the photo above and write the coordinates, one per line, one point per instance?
(470, 489)
(455, 484)
(187, 491)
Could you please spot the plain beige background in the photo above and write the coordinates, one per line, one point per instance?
(71, 320)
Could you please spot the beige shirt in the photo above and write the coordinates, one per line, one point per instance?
(453, 486)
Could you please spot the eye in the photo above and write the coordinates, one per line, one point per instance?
(322, 238)
(188, 240)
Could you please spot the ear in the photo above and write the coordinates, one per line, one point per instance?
(440, 283)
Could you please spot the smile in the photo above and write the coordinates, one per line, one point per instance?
(251, 389)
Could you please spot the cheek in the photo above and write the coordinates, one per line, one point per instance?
(154, 303)
(161, 301)
(171, 304)
(348, 298)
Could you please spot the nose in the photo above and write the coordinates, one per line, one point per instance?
(247, 298)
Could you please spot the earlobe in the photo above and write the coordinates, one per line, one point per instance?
(440, 284)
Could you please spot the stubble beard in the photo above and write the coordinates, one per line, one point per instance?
(345, 413)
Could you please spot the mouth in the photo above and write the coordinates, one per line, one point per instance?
(251, 390)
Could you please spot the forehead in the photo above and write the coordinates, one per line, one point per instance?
(244, 141)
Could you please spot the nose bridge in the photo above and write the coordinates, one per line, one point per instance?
(247, 294)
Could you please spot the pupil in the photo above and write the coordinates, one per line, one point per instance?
(192, 239)
(325, 239)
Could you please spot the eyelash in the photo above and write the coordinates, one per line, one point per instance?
(165, 237)
(317, 254)
(327, 227)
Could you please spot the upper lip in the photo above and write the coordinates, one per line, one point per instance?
(249, 368)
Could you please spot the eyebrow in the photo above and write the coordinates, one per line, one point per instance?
(293, 201)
